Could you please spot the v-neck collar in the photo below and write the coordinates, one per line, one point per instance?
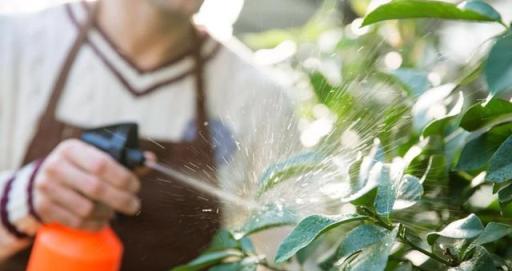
(136, 80)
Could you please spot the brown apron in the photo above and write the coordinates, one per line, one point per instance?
(175, 222)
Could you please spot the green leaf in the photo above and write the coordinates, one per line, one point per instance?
(466, 228)
(454, 143)
(287, 169)
(436, 168)
(207, 260)
(498, 68)
(407, 9)
(492, 232)
(357, 239)
(364, 174)
(479, 6)
(415, 81)
(477, 153)
(395, 191)
(450, 246)
(386, 193)
(505, 195)
(358, 174)
(481, 114)
(306, 253)
(409, 192)
(374, 257)
(500, 169)
(433, 98)
(246, 246)
(308, 230)
(223, 240)
(323, 89)
(367, 199)
(269, 216)
(438, 127)
(481, 261)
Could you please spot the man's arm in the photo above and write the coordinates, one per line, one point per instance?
(13, 184)
(75, 185)
(17, 224)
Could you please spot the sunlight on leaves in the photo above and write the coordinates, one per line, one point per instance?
(308, 230)
(406, 9)
(466, 228)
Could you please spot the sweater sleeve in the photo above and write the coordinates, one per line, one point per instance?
(18, 219)
(16, 222)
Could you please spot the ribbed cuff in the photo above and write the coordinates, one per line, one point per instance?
(30, 191)
(4, 201)
(17, 211)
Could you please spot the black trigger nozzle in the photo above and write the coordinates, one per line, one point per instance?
(135, 158)
(120, 141)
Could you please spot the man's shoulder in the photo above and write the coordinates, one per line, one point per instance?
(244, 83)
(247, 72)
(33, 25)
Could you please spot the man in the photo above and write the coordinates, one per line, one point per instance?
(201, 108)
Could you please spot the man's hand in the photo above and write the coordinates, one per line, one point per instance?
(80, 187)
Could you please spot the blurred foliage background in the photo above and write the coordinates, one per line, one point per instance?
(408, 83)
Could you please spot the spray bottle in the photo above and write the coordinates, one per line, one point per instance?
(59, 248)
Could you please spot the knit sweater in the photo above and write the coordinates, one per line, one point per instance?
(250, 116)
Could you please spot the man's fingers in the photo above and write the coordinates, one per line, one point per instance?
(101, 212)
(121, 201)
(93, 225)
(64, 196)
(89, 216)
(142, 171)
(100, 164)
(95, 188)
(53, 212)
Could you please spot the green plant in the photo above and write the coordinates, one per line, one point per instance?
(414, 189)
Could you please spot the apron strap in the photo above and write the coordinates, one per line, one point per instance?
(49, 131)
(201, 112)
(65, 69)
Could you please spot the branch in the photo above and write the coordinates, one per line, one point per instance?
(403, 238)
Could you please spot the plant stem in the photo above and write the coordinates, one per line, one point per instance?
(403, 238)
(502, 22)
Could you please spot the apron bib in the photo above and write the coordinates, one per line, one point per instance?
(176, 222)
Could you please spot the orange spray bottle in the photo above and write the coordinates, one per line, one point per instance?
(59, 248)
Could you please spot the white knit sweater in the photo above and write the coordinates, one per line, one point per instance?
(250, 113)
